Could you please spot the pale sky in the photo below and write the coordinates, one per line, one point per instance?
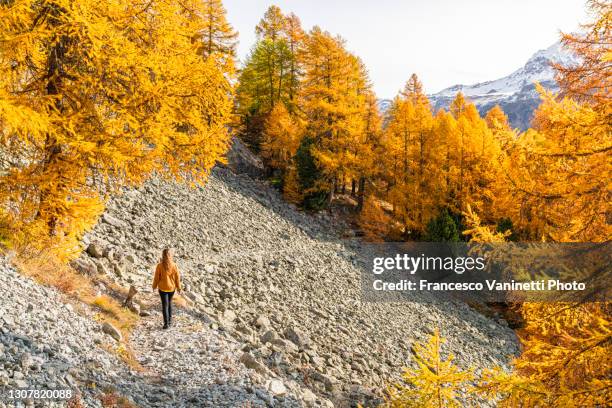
(446, 42)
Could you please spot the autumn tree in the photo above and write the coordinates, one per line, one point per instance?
(272, 24)
(292, 191)
(218, 36)
(476, 159)
(435, 383)
(281, 138)
(333, 99)
(590, 80)
(88, 105)
(560, 173)
(375, 223)
(564, 343)
(414, 151)
(368, 167)
(561, 169)
(271, 73)
(435, 164)
(308, 176)
(295, 37)
(497, 121)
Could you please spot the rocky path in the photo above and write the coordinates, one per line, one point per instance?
(193, 364)
(46, 344)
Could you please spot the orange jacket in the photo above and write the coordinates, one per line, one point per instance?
(167, 280)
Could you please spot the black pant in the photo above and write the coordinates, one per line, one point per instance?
(166, 300)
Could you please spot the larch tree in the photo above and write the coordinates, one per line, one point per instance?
(272, 24)
(560, 176)
(415, 154)
(281, 138)
(333, 99)
(435, 383)
(97, 95)
(271, 73)
(591, 80)
(445, 127)
(218, 36)
(477, 159)
(497, 121)
(562, 167)
(368, 165)
(295, 40)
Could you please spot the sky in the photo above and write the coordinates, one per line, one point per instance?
(445, 42)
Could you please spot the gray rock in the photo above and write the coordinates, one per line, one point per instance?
(111, 220)
(262, 321)
(85, 266)
(328, 381)
(251, 362)
(95, 250)
(229, 315)
(26, 361)
(269, 336)
(134, 308)
(112, 331)
(20, 383)
(308, 397)
(297, 337)
(118, 269)
(276, 387)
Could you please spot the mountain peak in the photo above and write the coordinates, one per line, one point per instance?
(515, 93)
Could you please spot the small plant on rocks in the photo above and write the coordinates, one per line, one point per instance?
(434, 384)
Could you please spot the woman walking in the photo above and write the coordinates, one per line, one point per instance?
(166, 280)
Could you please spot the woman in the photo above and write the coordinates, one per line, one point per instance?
(167, 280)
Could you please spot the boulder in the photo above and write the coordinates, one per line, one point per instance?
(308, 397)
(85, 266)
(262, 322)
(95, 250)
(328, 381)
(111, 220)
(118, 269)
(251, 362)
(101, 267)
(276, 387)
(112, 331)
(297, 337)
(134, 308)
(269, 336)
(228, 315)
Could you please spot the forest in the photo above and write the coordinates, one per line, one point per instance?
(97, 95)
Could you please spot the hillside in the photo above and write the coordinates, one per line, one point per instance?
(282, 285)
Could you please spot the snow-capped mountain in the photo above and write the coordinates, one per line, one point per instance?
(516, 92)
(384, 104)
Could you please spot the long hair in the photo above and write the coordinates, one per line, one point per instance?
(166, 260)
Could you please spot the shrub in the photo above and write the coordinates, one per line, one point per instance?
(443, 228)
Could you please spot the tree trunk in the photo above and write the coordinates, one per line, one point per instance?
(361, 196)
(130, 296)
